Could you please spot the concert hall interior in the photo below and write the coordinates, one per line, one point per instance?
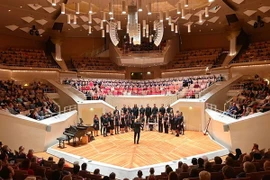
(134, 89)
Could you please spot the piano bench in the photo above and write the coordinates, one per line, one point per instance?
(61, 141)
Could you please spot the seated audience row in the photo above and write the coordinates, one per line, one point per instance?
(186, 87)
(26, 58)
(28, 100)
(90, 63)
(195, 58)
(257, 51)
(253, 166)
(253, 98)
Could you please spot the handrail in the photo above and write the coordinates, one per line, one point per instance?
(214, 108)
(225, 104)
(69, 108)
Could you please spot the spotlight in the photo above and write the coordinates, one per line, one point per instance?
(33, 31)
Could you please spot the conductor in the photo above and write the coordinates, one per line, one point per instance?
(137, 131)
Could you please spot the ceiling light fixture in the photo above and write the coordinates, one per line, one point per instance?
(200, 18)
(77, 7)
(149, 9)
(101, 25)
(53, 2)
(118, 25)
(63, 8)
(139, 5)
(178, 8)
(183, 13)
(103, 33)
(89, 18)
(172, 27)
(104, 16)
(186, 3)
(206, 12)
(211, 1)
(89, 29)
(161, 16)
(110, 8)
(68, 18)
(176, 29)
(167, 15)
(90, 8)
(107, 28)
(189, 28)
(124, 7)
(74, 19)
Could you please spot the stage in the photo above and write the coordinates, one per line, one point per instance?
(118, 153)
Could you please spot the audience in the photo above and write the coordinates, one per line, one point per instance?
(195, 58)
(231, 169)
(93, 63)
(252, 99)
(29, 100)
(27, 58)
(184, 87)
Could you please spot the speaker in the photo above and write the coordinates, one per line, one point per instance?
(58, 26)
(48, 128)
(232, 18)
(226, 128)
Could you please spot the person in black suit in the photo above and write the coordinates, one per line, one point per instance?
(142, 120)
(142, 110)
(155, 112)
(169, 109)
(160, 123)
(105, 125)
(179, 123)
(101, 123)
(124, 109)
(166, 123)
(135, 111)
(162, 110)
(148, 112)
(137, 131)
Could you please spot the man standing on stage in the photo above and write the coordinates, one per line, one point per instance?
(179, 123)
(155, 112)
(162, 110)
(148, 112)
(135, 111)
(101, 123)
(124, 109)
(137, 131)
(105, 125)
(142, 110)
(115, 111)
(169, 109)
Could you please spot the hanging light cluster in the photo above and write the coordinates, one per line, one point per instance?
(181, 9)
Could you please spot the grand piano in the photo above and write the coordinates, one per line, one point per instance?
(76, 132)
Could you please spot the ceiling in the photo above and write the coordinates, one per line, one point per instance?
(18, 16)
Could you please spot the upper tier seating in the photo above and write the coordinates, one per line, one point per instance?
(195, 58)
(26, 58)
(29, 100)
(143, 47)
(185, 87)
(90, 63)
(254, 97)
(258, 51)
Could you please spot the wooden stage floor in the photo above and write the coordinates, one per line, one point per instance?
(154, 148)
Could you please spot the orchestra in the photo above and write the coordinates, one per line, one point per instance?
(123, 120)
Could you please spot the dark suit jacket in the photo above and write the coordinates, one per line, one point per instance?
(137, 127)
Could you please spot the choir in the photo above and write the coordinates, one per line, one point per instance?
(121, 121)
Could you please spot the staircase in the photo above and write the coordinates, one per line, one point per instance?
(220, 59)
(70, 65)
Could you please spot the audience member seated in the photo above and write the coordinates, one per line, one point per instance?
(252, 99)
(195, 58)
(27, 58)
(258, 51)
(28, 100)
(91, 63)
(230, 170)
(184, 87)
